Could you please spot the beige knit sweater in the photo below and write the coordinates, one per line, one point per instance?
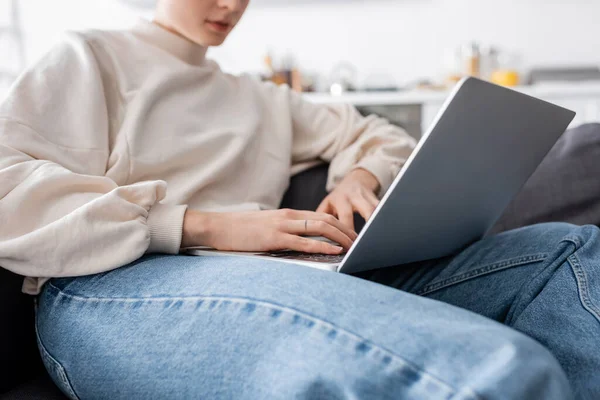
(108, 138)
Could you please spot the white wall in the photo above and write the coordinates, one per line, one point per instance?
(404, 38)
(407, 38)
(44, 20)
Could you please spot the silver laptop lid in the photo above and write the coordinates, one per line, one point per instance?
(483, 146)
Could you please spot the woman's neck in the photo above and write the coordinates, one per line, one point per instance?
(168, 39)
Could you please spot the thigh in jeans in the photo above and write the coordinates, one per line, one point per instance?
(542, 280)
(221, 327)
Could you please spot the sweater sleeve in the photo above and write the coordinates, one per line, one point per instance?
(339, 134)
(59, 214)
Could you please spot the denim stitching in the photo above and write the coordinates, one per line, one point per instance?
(581, 277)
(435, 286)
(292, 311)
(582, 286)
(59, 369)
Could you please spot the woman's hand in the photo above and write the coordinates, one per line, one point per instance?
(356, 192)
(266, 231)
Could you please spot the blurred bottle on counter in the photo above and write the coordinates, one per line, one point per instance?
(489, 63)
(286, 72)
(268, 70)
(465, 60)
(471, 55)
(453, 67)
(506, 72)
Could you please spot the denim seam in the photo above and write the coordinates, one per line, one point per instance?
(582, 286)
(61, 372)
(465, 390)
(481, 271)
(581, 277)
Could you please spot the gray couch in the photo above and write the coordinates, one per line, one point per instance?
(566, 187)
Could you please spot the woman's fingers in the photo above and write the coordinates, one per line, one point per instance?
(330, 219)
(307, 245)
(325, 207)
(345, 213)
(313, 227)
(363, 206)
(372, 198)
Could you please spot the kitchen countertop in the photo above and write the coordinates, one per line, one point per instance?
(419, 96)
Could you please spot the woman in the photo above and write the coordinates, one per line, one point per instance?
(118, 148)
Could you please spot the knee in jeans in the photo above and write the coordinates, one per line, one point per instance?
(580, 235)
(528, 363)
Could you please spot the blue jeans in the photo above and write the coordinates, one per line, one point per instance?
(183, 327)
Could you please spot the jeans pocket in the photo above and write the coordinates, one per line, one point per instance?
(56, 370)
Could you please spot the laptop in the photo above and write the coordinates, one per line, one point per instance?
(482, 147)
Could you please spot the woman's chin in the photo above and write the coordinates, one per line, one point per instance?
(211, 39)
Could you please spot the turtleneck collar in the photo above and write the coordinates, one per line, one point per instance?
(180, 47)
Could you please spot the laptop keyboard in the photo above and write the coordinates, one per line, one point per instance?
(299, 255)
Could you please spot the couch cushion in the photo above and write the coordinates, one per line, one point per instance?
(307, 190)
(565, 187)
(19, 359)
(41, 388)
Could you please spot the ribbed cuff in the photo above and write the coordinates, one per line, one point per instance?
(166, 227)
(381, 170)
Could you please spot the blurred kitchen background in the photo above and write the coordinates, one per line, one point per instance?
(398, 58)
